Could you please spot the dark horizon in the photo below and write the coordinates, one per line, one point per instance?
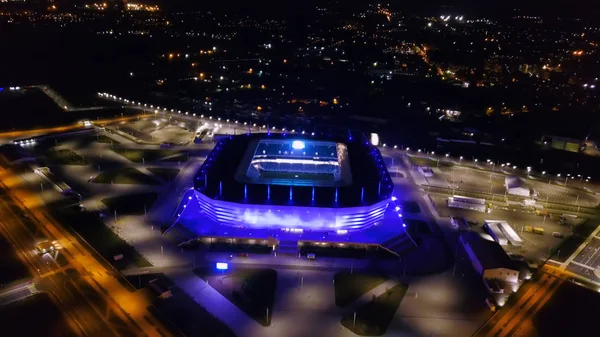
(562, 8)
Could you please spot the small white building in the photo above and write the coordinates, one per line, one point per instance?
(501, 229)
(517, 186)
(458, 201)
(426, 171)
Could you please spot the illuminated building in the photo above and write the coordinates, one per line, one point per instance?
(277, 181)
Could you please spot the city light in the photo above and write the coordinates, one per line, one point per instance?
(298, 145)
(374, 139)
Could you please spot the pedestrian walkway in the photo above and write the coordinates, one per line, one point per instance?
(289, 261)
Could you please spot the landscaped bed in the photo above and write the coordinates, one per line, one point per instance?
(152, 155)
(65, 157)
(104, 241)
(107, 140)
(164, 173)
(410, 206)
(373, 318)
(251, 290)
(126, 175)
(181, 313)
(350, 286)
(131, 204)
(417, 227)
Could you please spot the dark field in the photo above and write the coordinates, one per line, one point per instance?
(30, 109)
(34, 316)
(572, 311)
(11, 268)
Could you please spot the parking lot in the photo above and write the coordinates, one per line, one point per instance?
(160, 129)
(565, 195)
(466, 178)
(535, 246)
(470, 179)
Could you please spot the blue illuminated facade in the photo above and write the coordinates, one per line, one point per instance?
(348, 204)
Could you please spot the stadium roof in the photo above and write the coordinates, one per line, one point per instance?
(370, 181)
(489, 253)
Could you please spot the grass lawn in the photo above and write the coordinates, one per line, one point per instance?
(126, 175)
(181, 313)
(16, 318)
(65, 157)
(106, 139)
(91, 227)
(349, 287)
(166, 174)
(131, 204)
(11, 267)
(143, 280)
(417, 227)
(410, 206)
(138, 156)
(373, 318)
(428, 162)
(251, 290)
(181, 157)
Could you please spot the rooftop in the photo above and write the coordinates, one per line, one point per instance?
(349, 173)
(489, 253)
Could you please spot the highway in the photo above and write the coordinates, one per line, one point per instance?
(95, 303)
(82, 315)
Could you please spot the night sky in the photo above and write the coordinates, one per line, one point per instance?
(585, 8)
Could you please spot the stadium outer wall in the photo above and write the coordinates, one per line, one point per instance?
(293, 217)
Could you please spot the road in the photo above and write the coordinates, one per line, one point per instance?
(95, 302)
(82, 315)
(64, 128)
(515, 318)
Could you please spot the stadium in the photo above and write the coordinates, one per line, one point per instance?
(307, 189)
(283, 181)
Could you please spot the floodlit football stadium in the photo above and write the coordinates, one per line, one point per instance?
(282, 181)
(279, 181)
